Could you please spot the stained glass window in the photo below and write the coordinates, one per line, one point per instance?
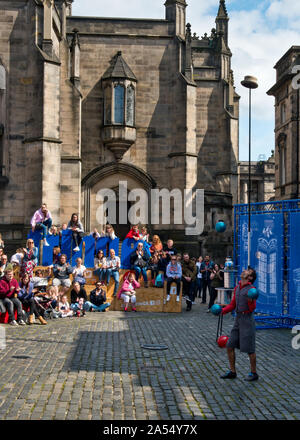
(119, 98)
(130, 106)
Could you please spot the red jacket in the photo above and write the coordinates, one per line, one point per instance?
(132, 234)
(5, 286)
(232, 305)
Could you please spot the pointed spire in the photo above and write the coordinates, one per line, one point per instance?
(222, 12)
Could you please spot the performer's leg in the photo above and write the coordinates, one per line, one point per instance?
(252, 357)
(231, 358)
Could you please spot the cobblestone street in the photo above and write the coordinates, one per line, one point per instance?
(95, 368)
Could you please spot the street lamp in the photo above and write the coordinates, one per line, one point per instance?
(250, 82)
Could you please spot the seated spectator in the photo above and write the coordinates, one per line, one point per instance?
(156, 245)
(174, 274)
(26, 296)
(3, 265)
(113, 264)
(78, 298)
(47, 303)
(127, 292)
(53, 230)
(169, 249)
(64, 308)
(61, 272)
(79, 272)
(64, 227)
(55, 255)
(1, 242)
(40, 282)
(2, 252)
(30, 258)
(100, 265)
(163, 262)
(139, 263)
(97, 299)
(17, 258)
(76, 227)
(95, 234)
(42, 220)
(153, 266)
(216, 280)
(189, 272)
(179, 258)
(144, 236)
(134, 233)
(9, 289)
(108, 232)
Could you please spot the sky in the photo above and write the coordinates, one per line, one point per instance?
(260, 32)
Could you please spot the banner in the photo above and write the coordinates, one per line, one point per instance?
(294, 265)
(266, 257)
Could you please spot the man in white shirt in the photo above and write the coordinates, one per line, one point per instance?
(113, 265)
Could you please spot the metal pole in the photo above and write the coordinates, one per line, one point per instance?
(249, 183)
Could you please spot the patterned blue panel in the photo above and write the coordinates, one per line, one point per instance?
(66, 242)
(267, 257)
(294, 265)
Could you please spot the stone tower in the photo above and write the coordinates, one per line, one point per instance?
(89, 102)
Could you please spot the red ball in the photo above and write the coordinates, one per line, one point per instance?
(222, 341)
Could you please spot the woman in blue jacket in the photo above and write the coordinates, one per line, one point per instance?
(26, 296)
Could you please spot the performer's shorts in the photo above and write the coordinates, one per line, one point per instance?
(242, 335)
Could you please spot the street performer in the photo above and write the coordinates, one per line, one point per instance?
(243, 332)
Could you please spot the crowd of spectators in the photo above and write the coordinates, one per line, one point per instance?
(42, 300)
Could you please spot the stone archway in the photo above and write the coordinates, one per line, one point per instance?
(108, 176)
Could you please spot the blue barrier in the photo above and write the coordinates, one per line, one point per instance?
(274, 254)
(53, 240)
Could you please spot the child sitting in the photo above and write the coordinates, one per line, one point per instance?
(127, 292)
(39, 281)
(64, 308)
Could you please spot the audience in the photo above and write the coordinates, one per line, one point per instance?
(97, 299)
(100, 268)
(128, 293)
(198, 284)
(9, 289)
(61, 272)
(134, 233)
(108, 232)
(139, 263)
(26, 296)
(78, 298)
(1, 242)
(169, 249)
(17, 258)
(206, 269)
(153, 266)
(40, 282)
(77, 231)
(144, 236)
(189, 272)
(156, 245)
(42, 220)
(113, 264)
(174, 274)
(163, 262)
(30, 258)
(64, 308)
(79, 272)
(216, 280)
(3, 265)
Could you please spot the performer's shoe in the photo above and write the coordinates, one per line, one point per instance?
(251, 377)
(229, 375)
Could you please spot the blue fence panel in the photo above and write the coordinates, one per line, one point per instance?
(128, 246)
(266, 257)
(53, 240)
(90, 248)
(114, 244)
(294, 265)
(66, 242)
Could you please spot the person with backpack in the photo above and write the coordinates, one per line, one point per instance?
(174, 274)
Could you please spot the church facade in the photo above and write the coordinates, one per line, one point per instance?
(89, 102)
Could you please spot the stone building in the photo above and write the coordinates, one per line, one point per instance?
(88, 102)
(287, 117)
(262, 181)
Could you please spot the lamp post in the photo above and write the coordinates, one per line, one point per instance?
(250, 82)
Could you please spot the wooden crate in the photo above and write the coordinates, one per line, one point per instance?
(147, 300)
(172, 306)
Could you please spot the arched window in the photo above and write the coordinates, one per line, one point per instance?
(283, 113)
(130, 105)
(119, 98)
(281, 142)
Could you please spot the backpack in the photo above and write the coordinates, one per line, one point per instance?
(159, 281)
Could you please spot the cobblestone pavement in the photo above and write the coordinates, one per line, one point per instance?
(95, 368)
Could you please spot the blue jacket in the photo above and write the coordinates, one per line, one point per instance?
(23, 295)
(174, 270)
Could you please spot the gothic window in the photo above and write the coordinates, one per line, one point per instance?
(119, 98)
(107, 105)
(130, 106)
